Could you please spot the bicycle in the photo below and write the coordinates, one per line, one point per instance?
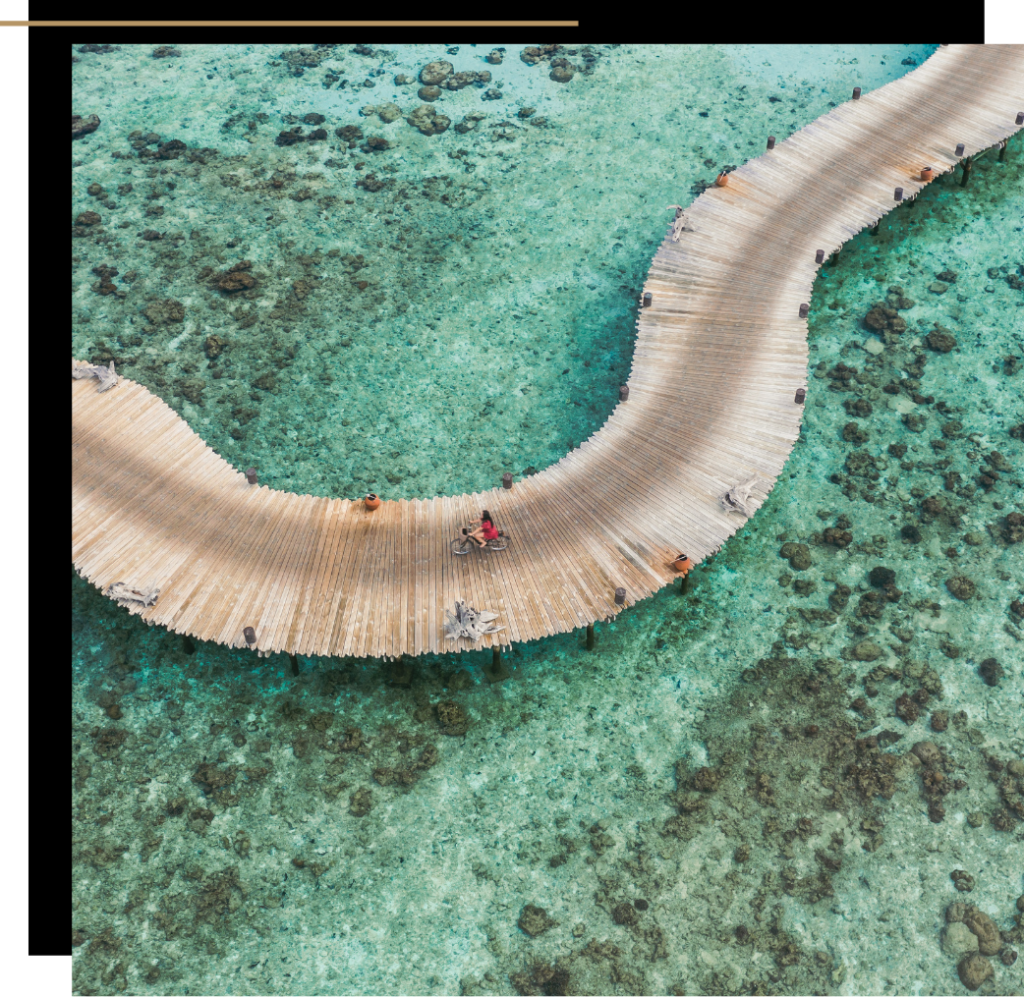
(463, 543)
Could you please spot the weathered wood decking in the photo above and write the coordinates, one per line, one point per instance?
(719, 356)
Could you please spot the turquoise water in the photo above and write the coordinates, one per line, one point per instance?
(694, 804)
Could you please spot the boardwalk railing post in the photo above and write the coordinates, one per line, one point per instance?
(648, 298)
(819, 256)
(623, 392)
(590, 636)
(771, 141)
(856, 93)
(620, 596)
(801, 395)
(250, 475)
(250, 636)
(506, 480)
(804, 309)
(959, 150)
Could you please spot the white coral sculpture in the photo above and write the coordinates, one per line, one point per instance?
(737, 498)
(107, 376)
(679, 223)
(128, 597)
(467, 622)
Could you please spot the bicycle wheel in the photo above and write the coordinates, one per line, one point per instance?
(461, 545)
(500, 544)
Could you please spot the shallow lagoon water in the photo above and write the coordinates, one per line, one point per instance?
(693, 805)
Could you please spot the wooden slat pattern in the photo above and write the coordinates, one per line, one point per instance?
(718, 358)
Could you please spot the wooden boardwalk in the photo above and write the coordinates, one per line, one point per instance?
(720, 354)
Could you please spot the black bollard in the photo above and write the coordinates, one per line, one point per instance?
(804, 309)
(897, 194)
(959, 150)
(250, 635)
(819, 256)
(506, 480)
(648, 298)
(295, 664)
(771, 141)
(250, 475)
(623, 392)
(801, 395)
(590, 636)
(968, 166)
(620, 596)
(856, 93)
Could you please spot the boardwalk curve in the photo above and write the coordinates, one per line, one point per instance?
(720, 354)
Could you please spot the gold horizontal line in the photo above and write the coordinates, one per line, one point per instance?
(289, 24)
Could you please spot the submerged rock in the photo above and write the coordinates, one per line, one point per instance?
(866, 650)
(974, 970)
(428, 121)
(82, 126)
(941, 340)
(991, 671)
(958, 940)
(960, 587)
(437, 72)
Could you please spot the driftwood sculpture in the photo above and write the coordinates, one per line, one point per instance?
(107, 375)
(467, 622)
(737, 498)
(128, 597)
(678, 223)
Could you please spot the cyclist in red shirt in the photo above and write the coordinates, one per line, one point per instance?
(485, 531)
